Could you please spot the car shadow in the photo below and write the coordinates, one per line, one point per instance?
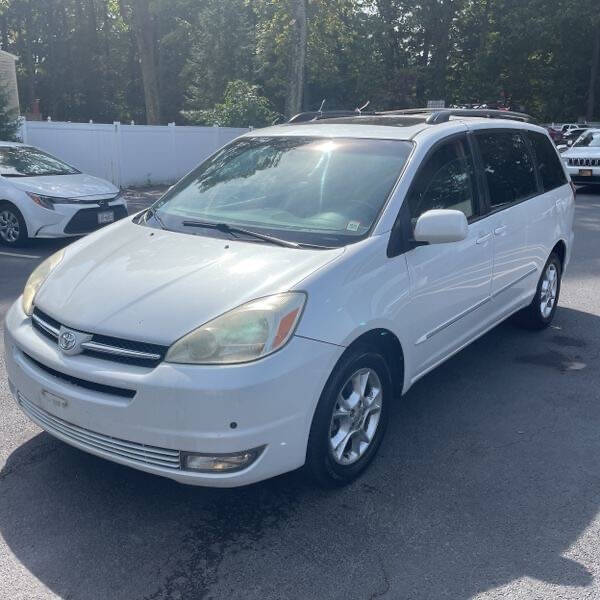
(488, 473)
(587, 189)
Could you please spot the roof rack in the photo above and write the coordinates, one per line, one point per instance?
(316, 115)
(435, 115)
(442, 115)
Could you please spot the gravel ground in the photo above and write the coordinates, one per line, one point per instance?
(487, 486)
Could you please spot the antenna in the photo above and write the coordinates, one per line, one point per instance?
(359, 110)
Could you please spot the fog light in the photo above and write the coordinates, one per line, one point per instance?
(220, 463)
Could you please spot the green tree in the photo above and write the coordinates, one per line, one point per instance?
(242, 106)
(222, 50)
(101, 60)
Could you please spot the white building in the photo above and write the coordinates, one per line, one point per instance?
(8, 79)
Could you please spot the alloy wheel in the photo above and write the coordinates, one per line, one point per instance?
(9, 226)
(355, 417)
(549, 290)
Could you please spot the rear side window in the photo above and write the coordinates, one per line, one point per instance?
(548, 163)
(508, 167)
(446, 180)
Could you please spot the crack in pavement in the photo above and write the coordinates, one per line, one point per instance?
(386, 580)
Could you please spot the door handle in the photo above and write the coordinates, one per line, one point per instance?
(483, 238)
(500, 230)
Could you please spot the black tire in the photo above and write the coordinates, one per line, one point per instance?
(9, 213)
(320, 461)
(532, 317)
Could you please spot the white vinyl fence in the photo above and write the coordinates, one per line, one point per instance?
(128, 155)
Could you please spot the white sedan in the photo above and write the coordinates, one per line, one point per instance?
(43, 197)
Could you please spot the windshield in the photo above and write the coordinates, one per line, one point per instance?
(589, 139)
(323, 191)
(24, 161)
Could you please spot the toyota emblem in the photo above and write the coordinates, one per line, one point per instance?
(67, 341)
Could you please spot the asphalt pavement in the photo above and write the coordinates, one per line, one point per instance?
(486, 486)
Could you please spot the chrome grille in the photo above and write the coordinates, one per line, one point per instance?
(138, 453)
(105, 347)
(584, 162)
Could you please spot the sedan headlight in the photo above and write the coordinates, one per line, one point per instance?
(43, 201)
(49, 201)
(37, 278)
(251, 331)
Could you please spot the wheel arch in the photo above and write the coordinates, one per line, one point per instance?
(560, 248)
(4, 201)
(390, 346)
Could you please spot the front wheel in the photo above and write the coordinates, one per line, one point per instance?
(540, 312)
(350, 419)
(13, 230)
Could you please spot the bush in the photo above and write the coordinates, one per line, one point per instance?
(242, 106)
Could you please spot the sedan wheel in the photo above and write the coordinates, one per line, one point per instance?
(9, 226)
(12, 227)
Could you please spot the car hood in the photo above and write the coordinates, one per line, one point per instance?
(66, 186)
(582, 152)
(151, 285)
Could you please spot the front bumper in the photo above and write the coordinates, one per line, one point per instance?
(176, 408)
(70, 219)
(579, 179)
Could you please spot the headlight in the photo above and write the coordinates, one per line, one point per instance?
(43, 201)
(39, 275)
(246, 333)
(49, 201)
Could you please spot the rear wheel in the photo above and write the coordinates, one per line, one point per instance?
(350, 419)
(541, 311)
(13, 230)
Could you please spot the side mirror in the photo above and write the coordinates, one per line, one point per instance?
(441, 226)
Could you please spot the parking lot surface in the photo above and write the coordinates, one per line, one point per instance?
(487, 486)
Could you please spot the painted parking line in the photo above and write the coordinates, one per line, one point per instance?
(16, 255)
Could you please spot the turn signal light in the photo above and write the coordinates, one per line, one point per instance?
(219, 463)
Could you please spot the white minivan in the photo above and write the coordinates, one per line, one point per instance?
(266, 312)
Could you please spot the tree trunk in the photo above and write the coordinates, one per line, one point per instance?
(422, 62)
(29, 58)
(143, 26)
(440, 55)
(591, 100)
(293, 103)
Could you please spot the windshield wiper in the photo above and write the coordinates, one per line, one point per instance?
(225, 228)
(152, 212)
